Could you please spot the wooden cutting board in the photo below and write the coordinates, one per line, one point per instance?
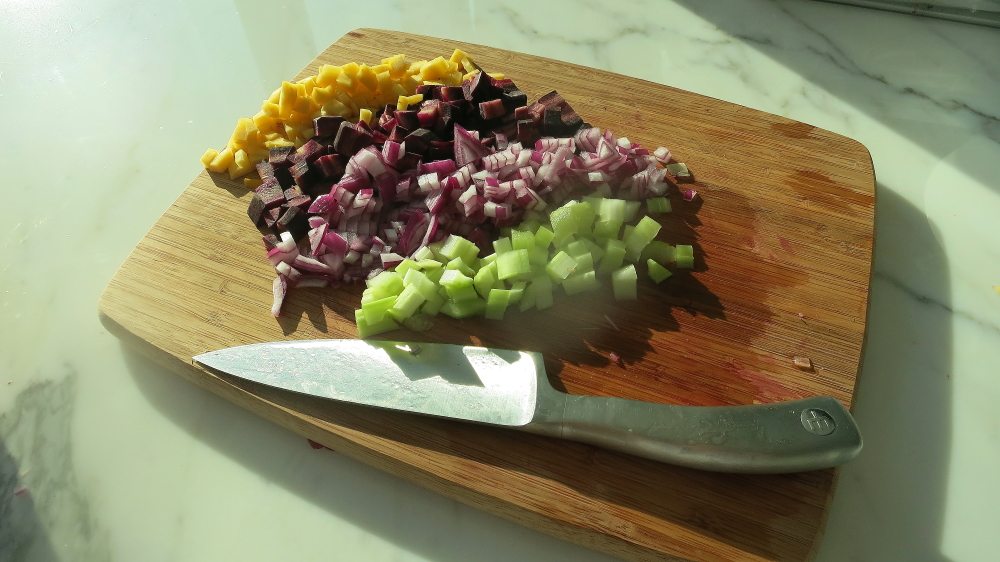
(784, 239)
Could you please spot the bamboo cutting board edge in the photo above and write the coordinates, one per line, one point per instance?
(118, 320)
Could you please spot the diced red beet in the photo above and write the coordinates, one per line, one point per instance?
(331, 166)
(398, 133)
(492, 109)
(327, 125)
(408, 119)
(294, 221)
(265, 169)
(310, 151)
(451, 93)
(302, 202)
(280, 156)
(419, 141)
(351, 138)
(514, 99)
(429, 91)
(552, 99)
(440, 150)
(479, 88)
(304, 174)
(270, 240)
(270, 194)
(523, 112)
(256, 210)
(272, 216)
(292, 193)
(408, 161)
(527, 132)
(428, 116)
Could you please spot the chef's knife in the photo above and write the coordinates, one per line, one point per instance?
(510, 389)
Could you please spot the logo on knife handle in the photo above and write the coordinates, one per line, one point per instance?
(818, 421)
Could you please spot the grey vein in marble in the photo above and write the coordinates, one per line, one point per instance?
(40, 495)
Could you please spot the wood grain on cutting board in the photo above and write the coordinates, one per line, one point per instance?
(783, 235)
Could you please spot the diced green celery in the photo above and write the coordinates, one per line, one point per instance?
(513, 264)
(677, 169)
(563, 221)
(483, 262)
(580, 283)
(538, 257)
(606, 228)
(631, 210)
(434, 274)
(427, 265)
(644, 233)
(366, 328)
(594, 201)
(584, 262)
(435, 248)
(658, 205)
(419, 280)
(424, 253)
(624, 282)
(595, 249)
(496, 304)
(684, 256)
(543, 237)
(455, 278)
(367, 296)
(404, 266)
(407, 303)
(564, 242)
(460, 265)
(463, 309)
(385, 284)
(648, 227)
(376, 310)
(458, 247)
(614, 256)
(459, 293)
(433, 305)
(612, 210)
(659, 251)
(527, 300)
(629, 229)
(418, 323)
(502, 246)
(657, 272)
(541, 287)
(583, 213)
(485, 279)
(522, 240)
(529, 224)
(577, 248)
(517, 291)
(561, 266)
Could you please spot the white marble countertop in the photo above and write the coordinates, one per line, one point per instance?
(107, 105)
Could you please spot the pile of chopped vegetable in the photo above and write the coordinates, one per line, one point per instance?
(408, 196)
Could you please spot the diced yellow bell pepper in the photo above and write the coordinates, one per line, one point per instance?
(252, 183)
(406, 101)
(286, 100)
(458, 55)
(366, 116)
(497, 75)
(221, 161)
(208, 156)
(270, 109)
(416, 67)
(384, 81)
(434, 69)
(350, 69)
(345, 81)
(278, 142)
(468, 65)
(321, 95)
(455, 78)
(336, 108)
(327, 75)
(380, 68)
(273, 98)
(367, 78)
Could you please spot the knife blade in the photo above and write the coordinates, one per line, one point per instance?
(510, 389)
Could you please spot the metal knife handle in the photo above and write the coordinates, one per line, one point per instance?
(783, 437)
